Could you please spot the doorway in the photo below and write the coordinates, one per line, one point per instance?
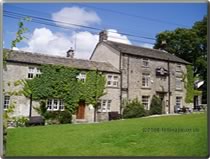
(80, 114)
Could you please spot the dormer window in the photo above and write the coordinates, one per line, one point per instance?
(145, 62)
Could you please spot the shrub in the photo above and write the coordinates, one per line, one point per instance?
(155, 106)
(20, 121)
(64, 117)
(134, 109)
(54, 117)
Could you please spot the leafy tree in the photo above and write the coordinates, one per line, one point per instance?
(19, 37)
(156, 105)
(190, 45)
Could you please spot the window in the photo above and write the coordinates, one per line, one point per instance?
(105, 106)
(33, 72)
(82, 76)
(145, 80)
(55, 104)
(38, 72)
(145, 62)
(61, 105)
(6, 102)
(178, 67)
(178, 102)
(179, 83)
(112, 80)
(145, 102)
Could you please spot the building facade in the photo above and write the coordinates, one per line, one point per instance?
(145, 72)
(24, 65)
(131, 72)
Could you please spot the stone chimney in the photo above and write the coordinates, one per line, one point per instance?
(103, 36)
(70, 53)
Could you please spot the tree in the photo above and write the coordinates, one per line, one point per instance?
(190, 45)
(19, 37)
(156, 105)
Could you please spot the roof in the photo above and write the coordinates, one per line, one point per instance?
(145, 52)
(36, 58)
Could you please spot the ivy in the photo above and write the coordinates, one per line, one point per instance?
(189, 85)
(60, 82)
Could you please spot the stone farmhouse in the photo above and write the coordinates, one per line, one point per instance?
(130, 71)
(145, 72)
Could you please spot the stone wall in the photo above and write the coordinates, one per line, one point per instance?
(132, 70)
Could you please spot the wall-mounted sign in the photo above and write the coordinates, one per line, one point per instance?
(161, 71)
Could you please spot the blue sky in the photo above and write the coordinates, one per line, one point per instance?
(140, 19)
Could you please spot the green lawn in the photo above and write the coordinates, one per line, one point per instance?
(115, 138)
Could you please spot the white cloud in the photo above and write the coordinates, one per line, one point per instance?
(75, 15)
(147, 45)
(45, 41)
(15, 49)
(113, 35)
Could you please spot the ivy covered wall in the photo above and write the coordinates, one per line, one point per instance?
(59, 82)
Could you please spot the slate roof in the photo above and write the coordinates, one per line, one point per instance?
(144, 52)
(36, 58)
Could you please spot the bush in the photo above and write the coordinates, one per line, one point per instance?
(134, 109)
(64, 117)
(155, 106)
(54, 117)
(20, 121)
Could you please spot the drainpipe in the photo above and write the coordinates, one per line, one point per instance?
(30, 108)
(95, 108)
(169, 88)
(120, 67)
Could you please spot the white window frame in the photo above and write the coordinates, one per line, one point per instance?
(178, 83)
(55, 105)
(33, 72)
(112, 80)
(6, 102)
(146, 80)
(145, 99)
(145, 62)
(82, 76)
(105, 106)
(38, 72)
(178, 101)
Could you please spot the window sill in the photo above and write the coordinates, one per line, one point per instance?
(145, 87)
(115, 87)
(179, 89)
(145, 66)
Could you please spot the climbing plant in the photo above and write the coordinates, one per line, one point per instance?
(189, 85)
(60, 82)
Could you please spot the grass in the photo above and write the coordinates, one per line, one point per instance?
(114, 138)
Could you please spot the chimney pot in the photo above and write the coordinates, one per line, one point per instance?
(70, 53)
(103, 36)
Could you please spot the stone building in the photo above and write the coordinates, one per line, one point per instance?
(145, 72)
(24, 65)
(131, 72)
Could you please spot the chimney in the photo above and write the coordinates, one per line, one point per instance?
(103, 36)
(70, 53)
